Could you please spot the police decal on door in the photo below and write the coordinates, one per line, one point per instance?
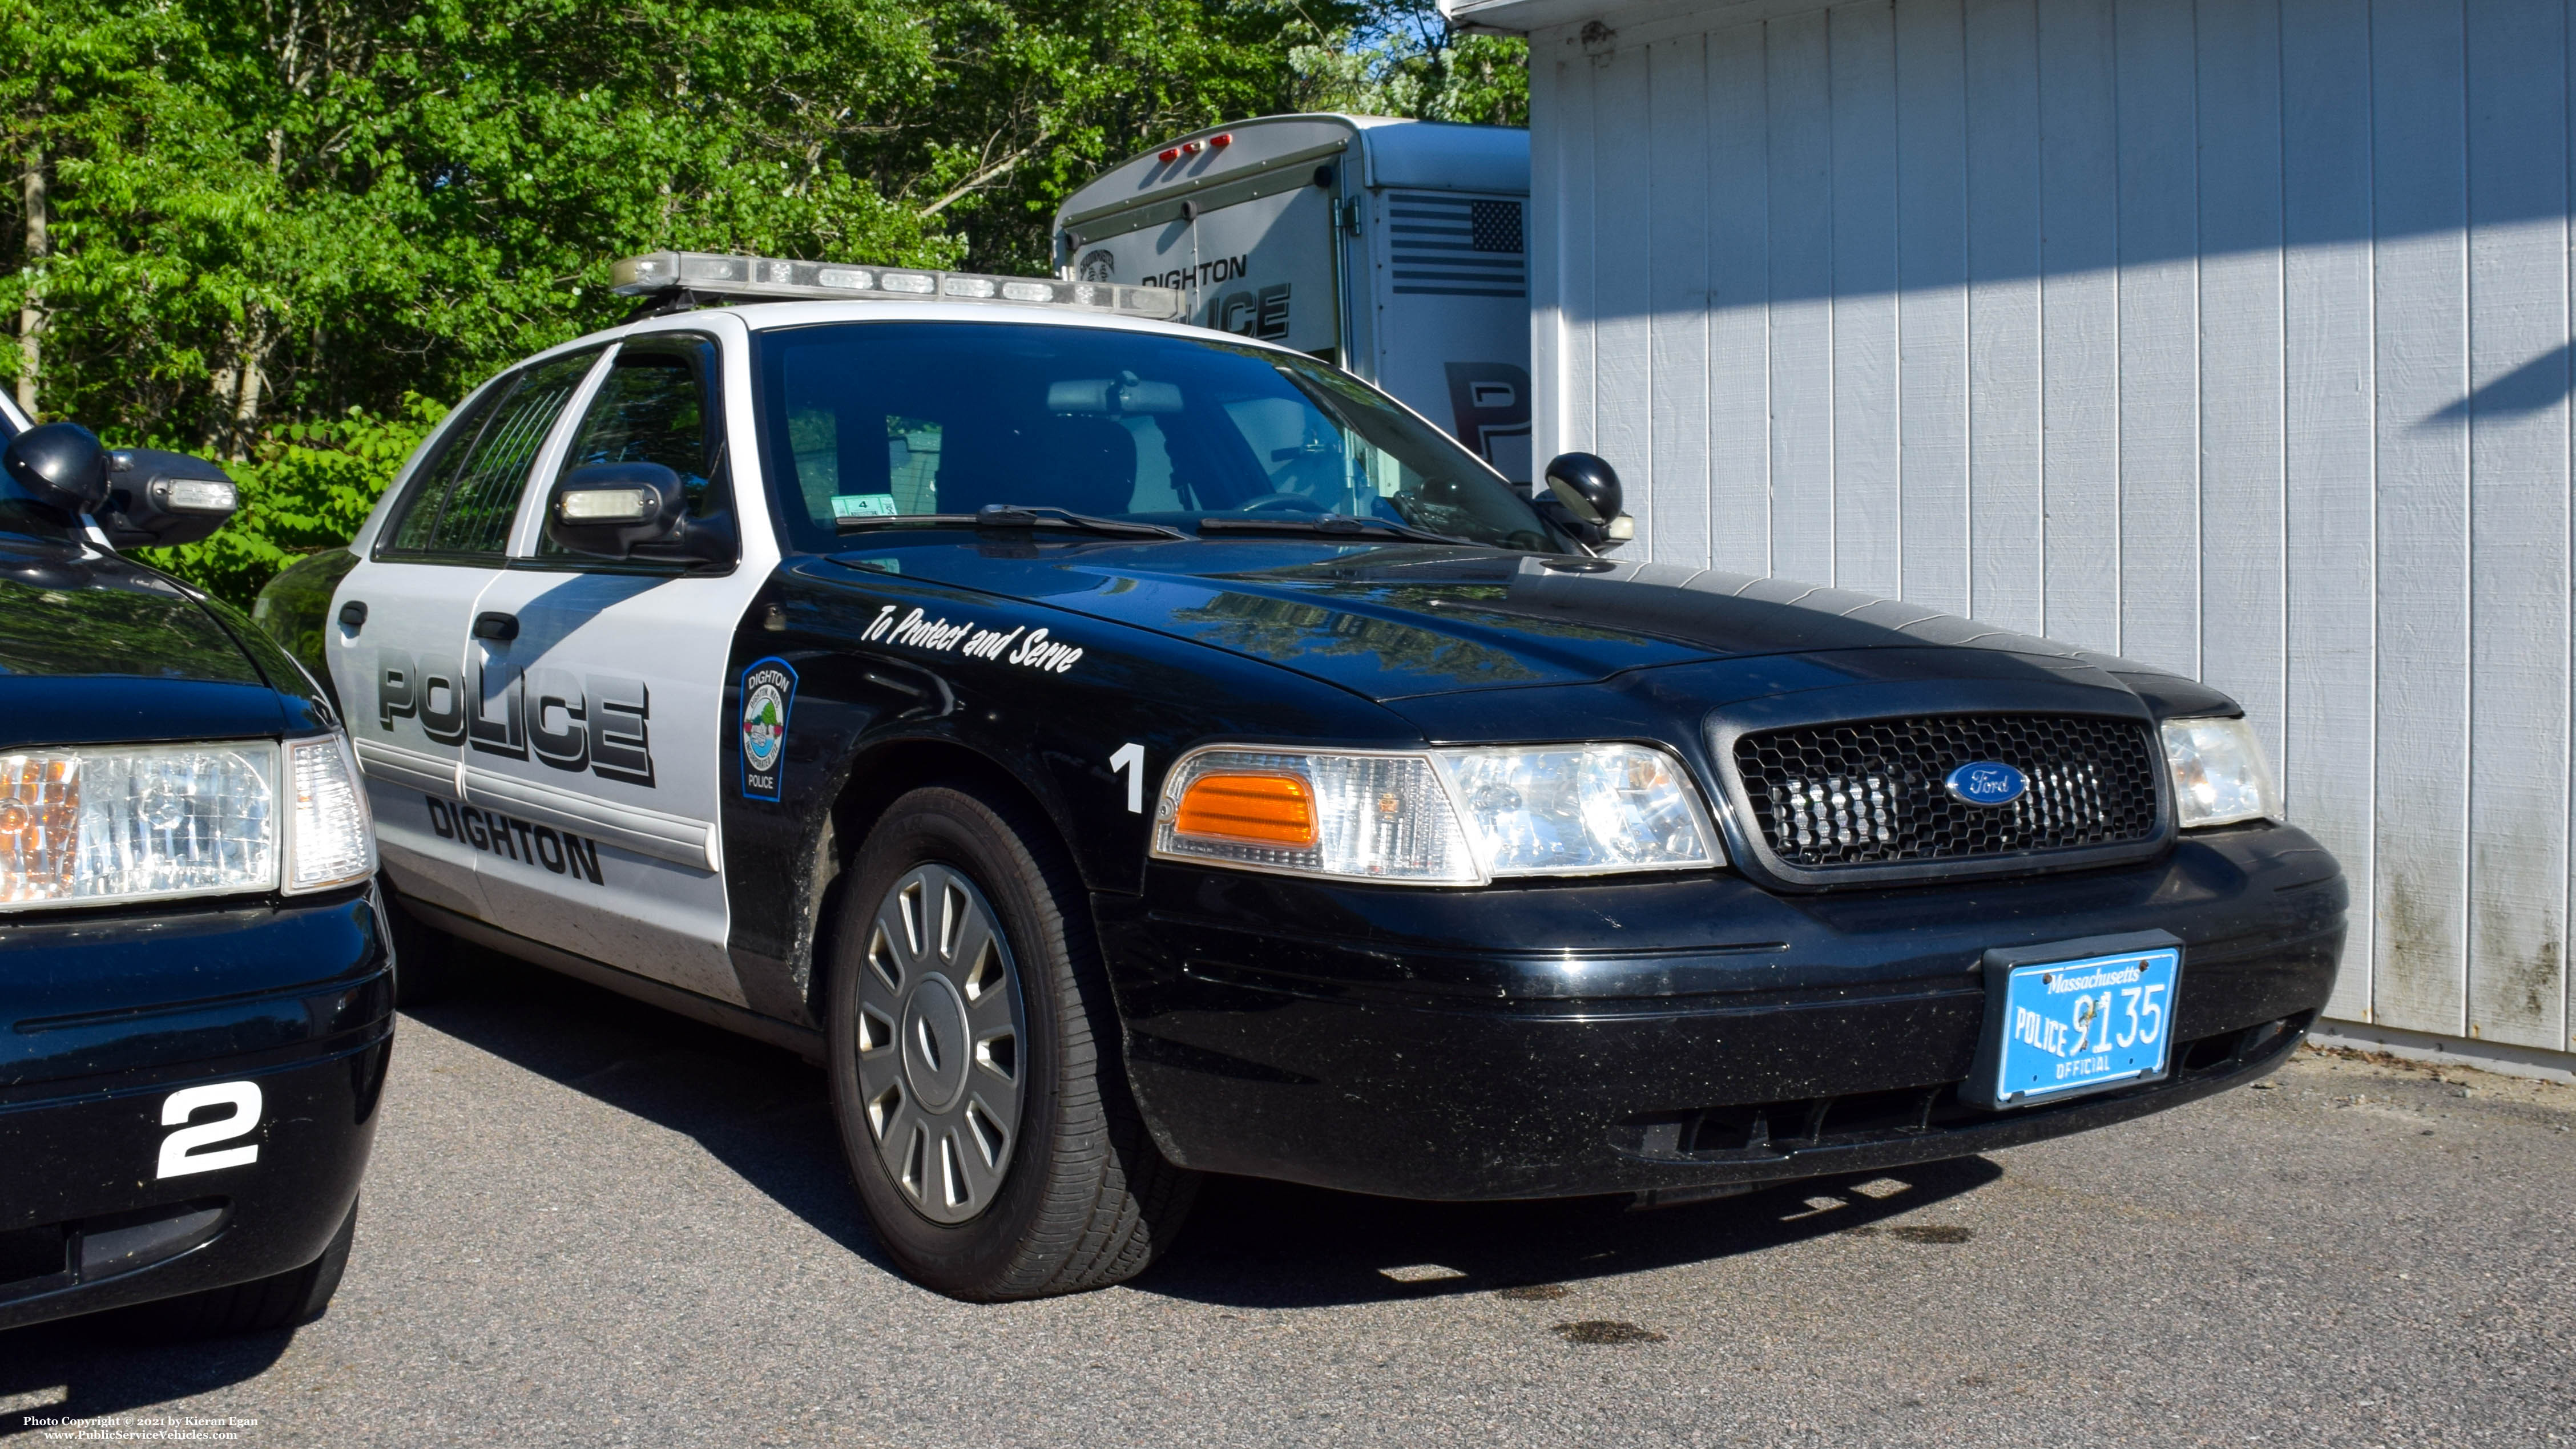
(768, 698)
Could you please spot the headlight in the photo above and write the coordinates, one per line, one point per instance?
(1580, 810)
(1440, 817)
(96, 826)
(2219, 773)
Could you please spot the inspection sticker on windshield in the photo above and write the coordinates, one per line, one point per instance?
(2074, 1026)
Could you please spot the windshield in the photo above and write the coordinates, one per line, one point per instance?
(881, 419)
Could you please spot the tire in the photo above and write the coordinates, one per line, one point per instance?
(429, 964)
(984, 1183)
(263, 1305)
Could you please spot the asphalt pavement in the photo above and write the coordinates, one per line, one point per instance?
(590, 1223)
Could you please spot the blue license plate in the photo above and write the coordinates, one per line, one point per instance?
(2080, 1026)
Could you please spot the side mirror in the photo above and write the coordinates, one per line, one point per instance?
(156, 499)
(626, 510)
(1585, 490)
(61, 465)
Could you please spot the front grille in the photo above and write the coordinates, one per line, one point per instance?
(1856, 795)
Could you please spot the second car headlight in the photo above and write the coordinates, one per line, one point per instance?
(106, 825)
(2220, 776)
(1437, 817)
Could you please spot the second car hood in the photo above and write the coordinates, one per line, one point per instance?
(1401, 621)
(95, 649)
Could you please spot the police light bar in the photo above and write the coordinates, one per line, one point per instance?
(710, 274)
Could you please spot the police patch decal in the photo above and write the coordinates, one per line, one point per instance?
(768, 698)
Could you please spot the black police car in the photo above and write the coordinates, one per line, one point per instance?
(193, 980)
(1120, 750)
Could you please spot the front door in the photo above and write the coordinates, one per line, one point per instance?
(398, 660)
(596, 740)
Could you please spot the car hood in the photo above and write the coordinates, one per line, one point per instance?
(1403, 621)
(96, 649)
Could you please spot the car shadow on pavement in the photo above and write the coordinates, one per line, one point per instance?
(107, 1365)
(765, 1114)
(762, 1111)
(1254, 1244)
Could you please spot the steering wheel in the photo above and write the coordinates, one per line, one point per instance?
(1281, 503)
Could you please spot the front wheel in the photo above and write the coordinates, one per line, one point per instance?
(974, 1062)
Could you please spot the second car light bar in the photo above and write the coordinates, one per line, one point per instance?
(711, 274)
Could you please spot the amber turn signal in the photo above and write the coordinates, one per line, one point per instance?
(1255, 809)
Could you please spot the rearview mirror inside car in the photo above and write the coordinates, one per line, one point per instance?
(633, 510)
(1122, 396)
(158, 500)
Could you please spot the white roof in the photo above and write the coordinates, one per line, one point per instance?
(764, 316)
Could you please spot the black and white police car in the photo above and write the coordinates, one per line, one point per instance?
(195, 1002)
(1120, 750)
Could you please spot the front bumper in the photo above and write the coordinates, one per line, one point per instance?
(1666, 1034)
(109, 1016)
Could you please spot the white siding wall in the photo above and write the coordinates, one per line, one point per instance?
(2232, 336)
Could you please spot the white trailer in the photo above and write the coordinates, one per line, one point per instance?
(1397, 249)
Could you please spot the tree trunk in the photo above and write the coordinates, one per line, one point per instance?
(248, 383)
(31, 313)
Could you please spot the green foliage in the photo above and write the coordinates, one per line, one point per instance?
(1399, 58)
(275, 229)
(307, 486)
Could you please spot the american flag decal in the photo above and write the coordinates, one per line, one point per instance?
(1449, 246)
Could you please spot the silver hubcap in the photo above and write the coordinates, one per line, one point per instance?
(939, 1044)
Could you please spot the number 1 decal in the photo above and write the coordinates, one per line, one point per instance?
(183, 1151)
(1130, 761)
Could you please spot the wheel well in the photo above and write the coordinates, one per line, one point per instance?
(877, 780)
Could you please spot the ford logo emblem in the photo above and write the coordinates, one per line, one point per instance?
(1986, 782)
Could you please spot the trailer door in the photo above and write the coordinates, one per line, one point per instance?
(1261, 267)
(1450, 282)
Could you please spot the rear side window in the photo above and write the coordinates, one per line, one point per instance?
(470, 492)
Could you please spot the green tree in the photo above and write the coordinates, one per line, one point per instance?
(1400, 58)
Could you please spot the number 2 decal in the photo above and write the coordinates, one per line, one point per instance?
(1130, 761)
(185, 1151)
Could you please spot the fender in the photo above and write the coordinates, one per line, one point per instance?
(1082, 714)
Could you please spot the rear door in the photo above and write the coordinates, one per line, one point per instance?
(601, 748)
(401, 669)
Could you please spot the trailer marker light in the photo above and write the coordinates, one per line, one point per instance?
(1191, 148)
(1169, 155)
(1222, 138)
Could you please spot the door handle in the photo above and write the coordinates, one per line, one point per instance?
(353, 615)
(496, 626)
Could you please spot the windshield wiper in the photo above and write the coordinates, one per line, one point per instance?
(1329, 525)
(1011, 515)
